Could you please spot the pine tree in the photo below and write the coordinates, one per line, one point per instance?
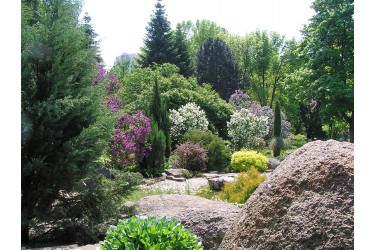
(217, 65)
(63, 128)
(158, 43)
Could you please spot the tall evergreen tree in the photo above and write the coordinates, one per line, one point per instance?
(158, 43)
(217, 65)
(63, 128)
(92, 36)
(182, 52)
(277, 131)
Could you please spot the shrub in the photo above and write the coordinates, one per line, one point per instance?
(190, 156)
(149, 233)
(129, 144)
(299, 140)
(218, 152)
(189, 116)
(246, 130)
(241, 189)
(244, 160)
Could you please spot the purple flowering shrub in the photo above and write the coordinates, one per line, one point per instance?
(112, 101)
(190, 156)
(129, 143)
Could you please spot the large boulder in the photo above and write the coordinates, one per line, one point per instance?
(207, 219)
(306, 203)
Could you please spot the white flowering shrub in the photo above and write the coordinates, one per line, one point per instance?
(187, 117)
(247, 130)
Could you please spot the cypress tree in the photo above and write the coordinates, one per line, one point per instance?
(155, 160)
(277, 131)
(63, 128)
(166, 126)
(158, 43)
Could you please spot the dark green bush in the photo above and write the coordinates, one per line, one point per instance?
(218, 152)
(150, 233)
(299, 140)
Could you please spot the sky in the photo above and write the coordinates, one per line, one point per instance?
(121, 24)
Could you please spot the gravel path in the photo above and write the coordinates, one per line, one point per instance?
(190, 186)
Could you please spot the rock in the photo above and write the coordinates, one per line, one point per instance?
(306, 203)
(273, 163)
(218, 183)
(207, 219)
(172, 178)
(176, 172)
(210, 175)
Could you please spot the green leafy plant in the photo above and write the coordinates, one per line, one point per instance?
(152, 232)
(241, 189)
(299, 140)
(244, 160)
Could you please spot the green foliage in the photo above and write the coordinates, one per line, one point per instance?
(244, 160)
(277, 143)
(217, 66)
(299, 140)
(183, 61)
(190, 156)
(218, 152)
(208, 193)
(328, 48)
(156, 158)
(149, 233)
(241, 189)
(158, 43)
(64, 127)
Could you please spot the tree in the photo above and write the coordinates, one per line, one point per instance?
(183, 61)
(92, 36)
(158, 43)
(277, 131)
(328, 42)
(64, 129)
(217, 65)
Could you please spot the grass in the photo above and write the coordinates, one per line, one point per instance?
(138, 193)
(208, 193)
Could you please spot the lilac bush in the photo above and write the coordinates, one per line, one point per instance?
(246, 130)
(187, 117)
(129, 144)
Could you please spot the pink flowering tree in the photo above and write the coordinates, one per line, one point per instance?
(129, 144)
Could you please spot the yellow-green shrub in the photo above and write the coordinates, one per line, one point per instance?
(243, 160)
(241, 189)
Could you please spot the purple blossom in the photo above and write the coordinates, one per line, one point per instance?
(113, 103)
(129, 144)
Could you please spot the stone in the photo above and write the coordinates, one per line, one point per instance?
(218, 183)
(210, 175)
(207, 219)
(273, 163)
(306, 203)
(176, 172)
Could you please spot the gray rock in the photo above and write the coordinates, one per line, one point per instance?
(176, 172)
(273, 163)
(306, 203)
(207, 219)
(218, 183)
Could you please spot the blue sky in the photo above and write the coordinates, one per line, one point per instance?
(121, 23)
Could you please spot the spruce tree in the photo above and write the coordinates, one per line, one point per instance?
(217, 65)
(63, 128)
(158, 43)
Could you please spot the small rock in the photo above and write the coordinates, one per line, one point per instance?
(218, 183)
(176, 172)
(273, 163)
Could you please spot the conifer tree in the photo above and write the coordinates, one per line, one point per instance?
(158, 43)
(277, 144)
(182, 52)
(63, 128)
(217, 65)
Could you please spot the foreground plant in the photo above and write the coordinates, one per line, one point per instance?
(150, 233)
